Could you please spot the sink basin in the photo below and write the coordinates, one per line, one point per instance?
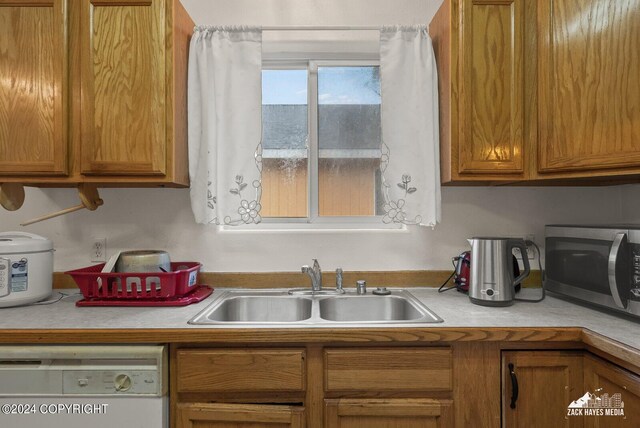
(369, 308)
(257, 308)
(277, 307)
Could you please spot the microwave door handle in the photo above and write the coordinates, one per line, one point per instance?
(613, 258)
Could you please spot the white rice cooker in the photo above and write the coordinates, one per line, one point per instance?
(26, 268)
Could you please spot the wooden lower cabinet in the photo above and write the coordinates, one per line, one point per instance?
(548, 382)
(537, 387)
(601, 377)
(216, 415)
(388, 386)
(388, 413)
(313, 386)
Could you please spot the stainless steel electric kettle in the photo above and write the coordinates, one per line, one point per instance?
(492, 281)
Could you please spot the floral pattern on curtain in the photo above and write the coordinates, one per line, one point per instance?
(410, 161)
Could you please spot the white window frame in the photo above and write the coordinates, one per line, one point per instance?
(314, 221)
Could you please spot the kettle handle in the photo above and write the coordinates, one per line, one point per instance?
(525, 260)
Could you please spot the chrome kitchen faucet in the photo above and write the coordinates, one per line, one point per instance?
(315, 273)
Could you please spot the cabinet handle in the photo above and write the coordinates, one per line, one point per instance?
(514, 386)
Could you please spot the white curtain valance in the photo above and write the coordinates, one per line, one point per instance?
(410, 162)
(225, 114)
(324, 44)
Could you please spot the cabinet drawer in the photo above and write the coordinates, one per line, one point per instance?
(390, 369)
(220, 415)
(238, 370)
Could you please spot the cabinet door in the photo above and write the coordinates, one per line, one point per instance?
(491, 92)
(602, 378)
(392, 413)
(547, 382)
(33, 87)
(588, 86)
(239, 416)
(123, 115)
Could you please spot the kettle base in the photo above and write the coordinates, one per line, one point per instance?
(483, 302)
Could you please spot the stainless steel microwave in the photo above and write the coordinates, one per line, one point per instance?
(595, 264)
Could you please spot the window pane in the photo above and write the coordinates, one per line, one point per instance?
(349, 141)
(284, 143)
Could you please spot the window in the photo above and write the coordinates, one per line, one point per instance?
(285, 136)
(321, 141)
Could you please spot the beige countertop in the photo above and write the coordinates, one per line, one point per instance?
(551, 319)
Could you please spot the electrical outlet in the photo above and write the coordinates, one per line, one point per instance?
(531, 251)
(99, 250)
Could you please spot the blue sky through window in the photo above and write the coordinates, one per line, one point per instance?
(348, 85)
(284, 86)
(336, 85)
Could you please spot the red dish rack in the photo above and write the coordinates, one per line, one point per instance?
(175, 288)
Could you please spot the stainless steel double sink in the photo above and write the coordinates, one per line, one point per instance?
(277, 307)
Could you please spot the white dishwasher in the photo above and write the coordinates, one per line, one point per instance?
(83, 386)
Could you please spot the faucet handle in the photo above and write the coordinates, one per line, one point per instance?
(339, 279)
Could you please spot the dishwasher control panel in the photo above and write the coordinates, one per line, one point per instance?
(126, 382)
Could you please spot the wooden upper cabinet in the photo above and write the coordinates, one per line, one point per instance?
(123, 87)
(588, 86)
(491, 101)
(33, 87)
(94, 91)
(545, 91)
(480, 54)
